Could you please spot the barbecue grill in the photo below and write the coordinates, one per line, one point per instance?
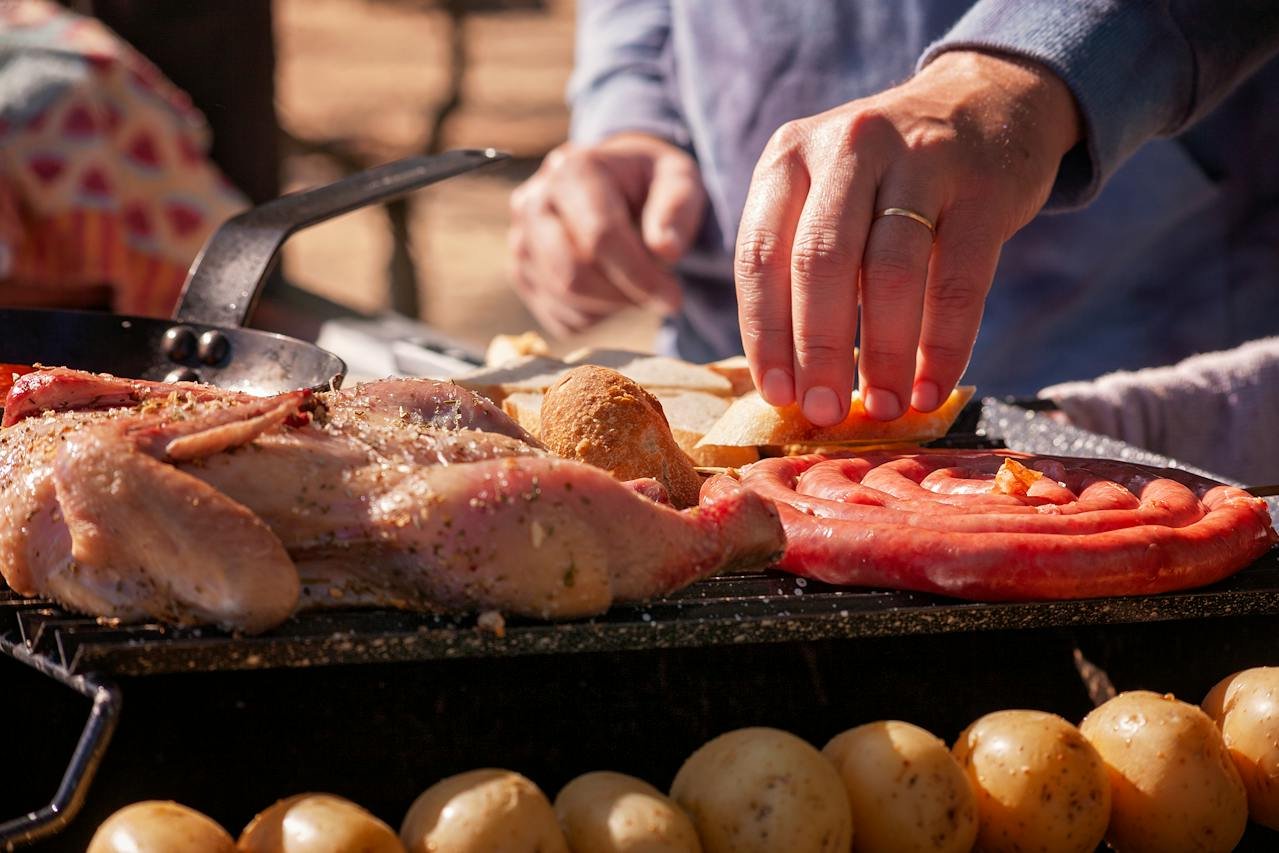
(758, 608)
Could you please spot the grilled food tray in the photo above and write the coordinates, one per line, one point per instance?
(744, 608)
(765, 607)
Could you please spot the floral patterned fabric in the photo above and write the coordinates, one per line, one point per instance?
(104, 178)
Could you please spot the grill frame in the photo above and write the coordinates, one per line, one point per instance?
(763, 607)
(766, 607)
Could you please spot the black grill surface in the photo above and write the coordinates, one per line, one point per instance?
(753, 608)
(734, 609)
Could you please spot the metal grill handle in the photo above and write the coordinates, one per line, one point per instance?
(226, 278)
(89, 750)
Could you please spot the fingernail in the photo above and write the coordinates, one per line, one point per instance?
(926, 396)
(882, 405)
(777, 389)
(670, 240)
(821, 406)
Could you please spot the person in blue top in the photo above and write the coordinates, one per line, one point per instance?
(865, 169)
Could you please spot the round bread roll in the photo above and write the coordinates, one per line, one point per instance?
(598, 416)
(906, 791)
(614, 813)
(1040, 785)
(1245, 707)
(156, 826)
(317, 823)
(1172, 783)
(483, 811)
(761, 790)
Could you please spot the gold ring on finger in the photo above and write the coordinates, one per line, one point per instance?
(909, 214)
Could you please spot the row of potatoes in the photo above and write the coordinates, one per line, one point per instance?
(1143, 771)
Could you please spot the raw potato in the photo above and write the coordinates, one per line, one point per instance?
(615, 813)
(1245, 707)
(1172, 783)
(1040, 785)
(761, 790)
(317, 823)
(156, 826)
(906, 791)
(483, 811)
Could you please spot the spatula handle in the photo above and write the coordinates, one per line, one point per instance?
(226, 278)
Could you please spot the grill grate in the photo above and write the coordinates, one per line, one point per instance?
(745, 608)
(749, 608)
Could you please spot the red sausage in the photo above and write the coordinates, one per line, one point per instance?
(921, 522)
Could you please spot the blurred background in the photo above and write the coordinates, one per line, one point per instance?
(295, 92)
(365, 81)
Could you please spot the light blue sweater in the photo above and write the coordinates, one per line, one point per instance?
(1178, 249)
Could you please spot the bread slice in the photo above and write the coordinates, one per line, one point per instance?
(737, 371)
(691, 414)
(533, 373)
(656, 371)
(504, 349)
(525, 407)
(750, 422)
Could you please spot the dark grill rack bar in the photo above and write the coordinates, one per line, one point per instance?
(752, 608)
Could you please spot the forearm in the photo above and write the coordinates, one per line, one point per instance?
(619, 80)
(1137, 68)
(1215, 410)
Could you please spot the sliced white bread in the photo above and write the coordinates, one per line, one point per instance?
(530, 373)
(525, 407)
(750, 422)
(504, 349)
(656, 371)
(737, 371)
(690, 415)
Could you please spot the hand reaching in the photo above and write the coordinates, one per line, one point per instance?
(595, 227)
(971, 145)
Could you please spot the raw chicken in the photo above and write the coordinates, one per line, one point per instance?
(194, 506)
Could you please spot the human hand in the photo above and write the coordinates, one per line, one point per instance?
(971, 143)
(595, 227)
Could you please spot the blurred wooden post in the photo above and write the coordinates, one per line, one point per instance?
(402, 267)
(402, 270)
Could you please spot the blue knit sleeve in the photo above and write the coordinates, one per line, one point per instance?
(619, 80)
(1137, 68)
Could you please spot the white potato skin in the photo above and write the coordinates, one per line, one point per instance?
(906, 791)
(760, 790)
(1040, 784)
(1245, 707)
(482, 811)
(605, 812)
(1172, 783)
(317, 823)
(156, 826)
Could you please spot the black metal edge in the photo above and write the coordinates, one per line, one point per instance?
(229, 273)
(94, 739)
(818, 618)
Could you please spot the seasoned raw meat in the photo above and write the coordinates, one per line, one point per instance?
(191, 505)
